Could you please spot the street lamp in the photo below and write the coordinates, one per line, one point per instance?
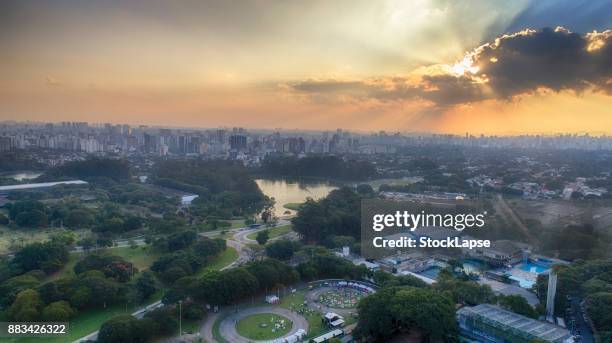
(180, 321)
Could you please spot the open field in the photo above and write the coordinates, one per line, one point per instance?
(558, 213)
(13, 239)
(236, 223)
(295, 206)
(260, 326)
(88, 321)
(274, 232)
(404, 181)
(297, 299)
(223, 260)
(142, 257)
(67, 270)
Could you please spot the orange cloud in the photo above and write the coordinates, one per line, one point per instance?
(510, 66)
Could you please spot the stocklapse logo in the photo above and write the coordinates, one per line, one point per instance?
(390, 226)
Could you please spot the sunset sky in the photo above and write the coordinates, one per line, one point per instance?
(493, 67)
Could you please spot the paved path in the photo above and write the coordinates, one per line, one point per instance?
(243, 256)
(227, 328)
(120, 243)
(140, 313)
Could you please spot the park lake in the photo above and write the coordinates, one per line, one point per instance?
(21, 176)
(292, 192)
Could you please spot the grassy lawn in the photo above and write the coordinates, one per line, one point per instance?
(88, 321)
(233, 224)
(142, 256)
(223, 260)
(293, 206)
(262, 326)
(67, 270)
(295, 302)
(404, 181)
(191, 326)
(10, 239)
(215, 331)
(274, 232)
(236, 223)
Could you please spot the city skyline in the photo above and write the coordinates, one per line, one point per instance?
(525, 67)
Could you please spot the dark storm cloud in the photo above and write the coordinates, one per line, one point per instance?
(515, 64)
(448, 90)
(554, 59)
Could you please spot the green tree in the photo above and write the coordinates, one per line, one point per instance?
(93, 168)
(66, 238)
(427, 310)
(48, 256)
(518, 304)
(80, 297)
(282, 249)
(262, 237)
(12, 286)
(78, 218)
(402, 309)
(338, 214)
(119, 329)
(33, 218)
(25, 206)
(26, 307)
(59, 311)
(3, 219)
(166, 319)
(376, 321)
(146, 284)
(365, 189)
(599, 305)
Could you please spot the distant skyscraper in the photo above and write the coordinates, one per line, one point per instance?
(149, 143)
(238, 142)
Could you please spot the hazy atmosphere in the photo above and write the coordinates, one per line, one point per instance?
(444, 66)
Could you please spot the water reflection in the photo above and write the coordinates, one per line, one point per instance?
(20, 176)
(287, 191)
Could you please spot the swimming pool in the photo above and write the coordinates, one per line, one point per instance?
(526, 273)
(431, 272)
(532, 267)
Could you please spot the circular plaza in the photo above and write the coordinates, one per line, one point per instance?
(337, 296)
(259, 324)
(334, 302)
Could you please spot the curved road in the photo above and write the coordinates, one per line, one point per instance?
(227, 327)
(243, 256)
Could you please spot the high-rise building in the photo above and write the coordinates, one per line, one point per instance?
(238, 142)
(5, 143)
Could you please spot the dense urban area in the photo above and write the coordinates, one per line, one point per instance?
(157, 234)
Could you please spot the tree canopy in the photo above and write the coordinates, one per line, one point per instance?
(337, 214)
(324, 166)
